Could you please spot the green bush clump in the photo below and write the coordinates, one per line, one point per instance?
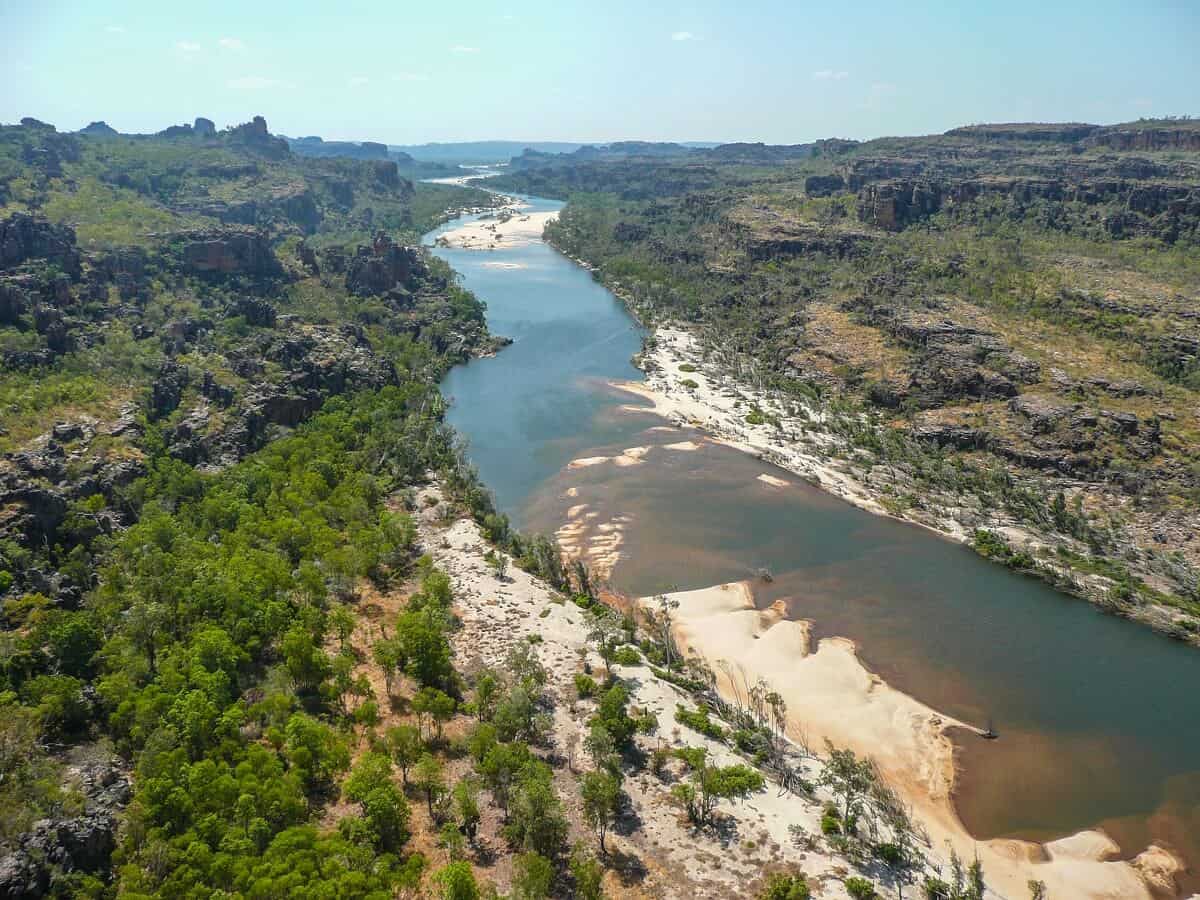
(698, 720)
(585, 686)
(859, 888)
(627, 656)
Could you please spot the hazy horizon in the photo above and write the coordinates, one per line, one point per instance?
(540, 72)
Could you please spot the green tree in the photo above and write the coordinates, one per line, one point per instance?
(424, 646)
(533, 875)
(708, 785)
(536, 822)
(383, 805)
(306, 663)
(850, 778)
(456, 881)
(501, 769)
(466, 806)
(601, 800)
(487, 690)
(436, 705)
(429, 779)
(387, 655)
(612, 714)
(604, 630)
(404, 743)
(587, 874)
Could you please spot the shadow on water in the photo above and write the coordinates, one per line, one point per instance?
(1099, 719)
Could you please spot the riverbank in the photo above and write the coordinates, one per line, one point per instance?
(654, 850)
(586, 442)
(687, 385)
(831, 696)
(511, 225)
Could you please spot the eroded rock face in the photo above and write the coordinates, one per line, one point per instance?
(382, 267)
(254, 136)
(80, 844)
(823, 185)
(895, 203)
(1150, 138)
(23, 237)
(769, 234)
(14, 301)
(101, 129)
(167, 390)
(254, 310)
(230, 251)
(204, 128)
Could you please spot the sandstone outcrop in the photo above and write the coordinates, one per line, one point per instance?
(24, 237)
(382, 267)
(229, 251)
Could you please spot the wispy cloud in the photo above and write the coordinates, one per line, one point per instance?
(358, 80)
(257, 83)
(410, 76)
(115, 29)
(830, 75)
(231, 43)
(683, 36)
(188, 47)
(463, 48)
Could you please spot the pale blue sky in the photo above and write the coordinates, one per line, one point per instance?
(779, 71)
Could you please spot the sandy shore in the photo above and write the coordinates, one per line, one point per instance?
(510, 226)
(683, 387)
(677, 860)
(831, 695)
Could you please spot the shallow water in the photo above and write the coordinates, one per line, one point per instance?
(1099, 718)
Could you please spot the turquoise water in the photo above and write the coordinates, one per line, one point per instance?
(1099, 718)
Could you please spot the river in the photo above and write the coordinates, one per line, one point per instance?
(1099, 719)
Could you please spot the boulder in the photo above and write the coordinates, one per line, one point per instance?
(230, 251)
(99, 129)
(308, 258)
(254, 310)
(14, 302)
(381, 267)
(23, 237)
(204, 128)
(1042, 412)
(958, 437)
(823, 185)
(255, 137)
(167, 390)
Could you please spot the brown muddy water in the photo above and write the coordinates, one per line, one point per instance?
(1099, 719)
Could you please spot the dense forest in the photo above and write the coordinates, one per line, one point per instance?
(210, 391)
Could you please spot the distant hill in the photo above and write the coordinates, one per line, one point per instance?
(502, 151)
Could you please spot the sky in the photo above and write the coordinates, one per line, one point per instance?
(449, 70)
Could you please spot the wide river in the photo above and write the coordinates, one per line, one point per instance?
(1099, 719)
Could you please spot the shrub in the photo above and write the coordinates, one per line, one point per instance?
(859, 888)
(627, 656)
(585, 686)
(698, 720)
(783, 886)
